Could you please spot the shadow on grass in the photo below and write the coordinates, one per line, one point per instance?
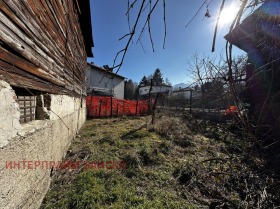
(135, 133)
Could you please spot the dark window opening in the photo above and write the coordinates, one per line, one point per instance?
(27, 104)
(27, 107)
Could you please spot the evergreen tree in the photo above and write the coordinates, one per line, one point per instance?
(157, 77)
(131, 90)
(143, 81)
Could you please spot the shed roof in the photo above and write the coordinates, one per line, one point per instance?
(85, 22)
(260, 31)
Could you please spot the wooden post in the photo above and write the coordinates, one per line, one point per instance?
(111, 106)
(24, 105)
(191, 101)
(123, 106)
(136, 107)
(89, 107)
(150, 99)
(100, 106)
(154, 109)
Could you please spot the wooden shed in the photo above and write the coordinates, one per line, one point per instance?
(259, 36)
(45, 44)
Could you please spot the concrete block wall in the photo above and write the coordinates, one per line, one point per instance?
(39, 141)
(9, 114)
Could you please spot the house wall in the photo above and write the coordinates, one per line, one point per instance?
(184, 94)
(40, 141)
(94, 76)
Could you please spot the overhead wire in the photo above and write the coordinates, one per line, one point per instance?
(196, 13)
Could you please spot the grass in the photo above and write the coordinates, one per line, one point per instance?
(172, 164)
(147, 181)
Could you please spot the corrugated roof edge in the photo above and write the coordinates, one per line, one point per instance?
(86, 26)
(102, 69)
(156, 85)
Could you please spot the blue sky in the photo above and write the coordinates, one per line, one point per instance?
(109, 23)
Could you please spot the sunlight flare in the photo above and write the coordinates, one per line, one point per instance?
(228, 14)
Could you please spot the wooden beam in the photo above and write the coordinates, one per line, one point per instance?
(28, 67)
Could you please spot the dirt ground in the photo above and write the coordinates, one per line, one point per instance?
(179, 162)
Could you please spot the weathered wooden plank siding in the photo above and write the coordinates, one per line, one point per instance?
(42, 45)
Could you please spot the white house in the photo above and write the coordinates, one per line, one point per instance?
(161, 88)
(103, 82)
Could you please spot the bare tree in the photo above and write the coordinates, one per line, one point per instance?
(205, 69)
(212, 77)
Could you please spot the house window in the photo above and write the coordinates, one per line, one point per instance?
(27, 107)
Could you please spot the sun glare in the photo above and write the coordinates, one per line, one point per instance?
(228, 14)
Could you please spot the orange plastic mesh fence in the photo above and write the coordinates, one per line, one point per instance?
(98, 106)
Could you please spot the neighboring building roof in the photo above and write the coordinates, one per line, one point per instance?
(105, 70)
(162, 88)
(183, 90)
(155, 85)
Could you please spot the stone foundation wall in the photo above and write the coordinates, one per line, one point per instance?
(27, 149)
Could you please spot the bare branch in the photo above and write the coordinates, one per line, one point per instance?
(130, 39)
(128, 16)
(148, 17)
(149, 25)
(131, 6)
(216, 27)
(142, 46)
(117, 57)
(164, 20)
(128, 34)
